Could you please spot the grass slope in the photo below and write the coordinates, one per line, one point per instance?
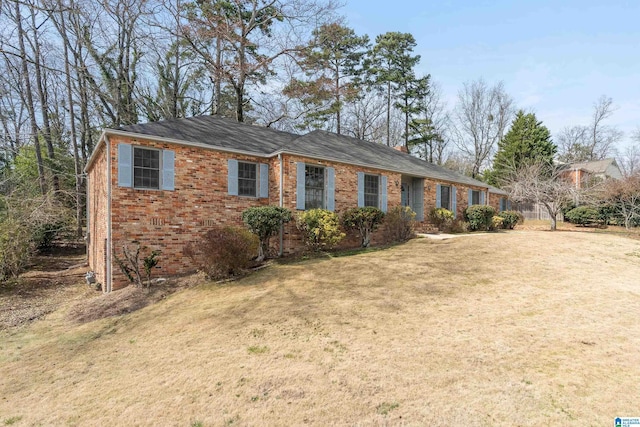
(520, 328)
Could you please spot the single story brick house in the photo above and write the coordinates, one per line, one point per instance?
(165, 183)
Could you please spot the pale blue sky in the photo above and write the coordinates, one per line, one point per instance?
(556, 58)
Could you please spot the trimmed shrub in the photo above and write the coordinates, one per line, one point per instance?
(264, 222)
(442, 218)
(458, 226)
(365, 220)
(510, 219)
(582, 215)
(479, 217)
(223, 252)
(320, 228)
(496, 223)
(16, 248)
(399, 224)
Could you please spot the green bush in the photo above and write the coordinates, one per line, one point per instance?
(479, 217)
(223, 252)
(365, 220)
(399, 224)
(264, 222)
(16, 248)
(510, 219)
(442, 218)
(320, 228)
(582, 215)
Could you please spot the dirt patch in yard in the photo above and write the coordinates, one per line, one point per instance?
(49, 283)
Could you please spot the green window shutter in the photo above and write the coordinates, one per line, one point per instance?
(502, 204)
(482, 197)
(300, 182)
(168, 170)
(232, 177)
(383, 193)
(331, 189)
(264, 180)
(454, 202)
(438, 196)
(470, 197)
(125, 165)
(508, 205)
(360, 189)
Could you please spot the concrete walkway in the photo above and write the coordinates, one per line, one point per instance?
(445, 236)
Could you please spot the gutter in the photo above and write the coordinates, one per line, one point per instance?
(108, 250)
(281, 203)
(278, 152)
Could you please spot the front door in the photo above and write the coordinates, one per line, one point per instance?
(404, 194)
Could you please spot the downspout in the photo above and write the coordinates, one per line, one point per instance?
(108, 255)
(281, 203)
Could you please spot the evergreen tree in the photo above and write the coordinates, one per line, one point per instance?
(527, 142)
(391, 67)
(332, 61)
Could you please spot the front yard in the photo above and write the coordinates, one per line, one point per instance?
(519, 328)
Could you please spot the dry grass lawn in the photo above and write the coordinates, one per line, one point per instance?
(521, 328)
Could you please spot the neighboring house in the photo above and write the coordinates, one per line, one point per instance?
(585, 173)
(581, 175)
(164, 184)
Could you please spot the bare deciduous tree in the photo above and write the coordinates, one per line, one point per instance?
(628, 159)
(481, 118)
(539, 182)
(594, 141)
(624, 196)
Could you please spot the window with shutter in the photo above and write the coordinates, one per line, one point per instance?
(314, 189)
(146, 168)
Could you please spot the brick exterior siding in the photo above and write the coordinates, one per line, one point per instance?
(168, 220)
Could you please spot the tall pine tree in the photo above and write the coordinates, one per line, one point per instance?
(332, 62)
(391, 68)
(527, 142)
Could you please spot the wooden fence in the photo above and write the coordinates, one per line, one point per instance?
(535, 211)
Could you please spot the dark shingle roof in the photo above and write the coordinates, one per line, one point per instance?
(356, 151)
(229, 134)
(217, 132)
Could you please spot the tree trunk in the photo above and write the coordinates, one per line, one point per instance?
(44, 104)
(218, 74)
(29, 98)
(338, 106)
(72, 121)
(389, 114)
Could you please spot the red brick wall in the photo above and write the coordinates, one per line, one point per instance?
(346, 196)
(494, 200)
(97, 206)
(168, 220)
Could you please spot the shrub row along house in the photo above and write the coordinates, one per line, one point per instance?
(164, 184)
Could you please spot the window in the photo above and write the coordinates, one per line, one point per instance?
(314, 187)
(475, 197)
(146, 168)
(371, 190)
(504, 204)
(445, 197)
(247, 179)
